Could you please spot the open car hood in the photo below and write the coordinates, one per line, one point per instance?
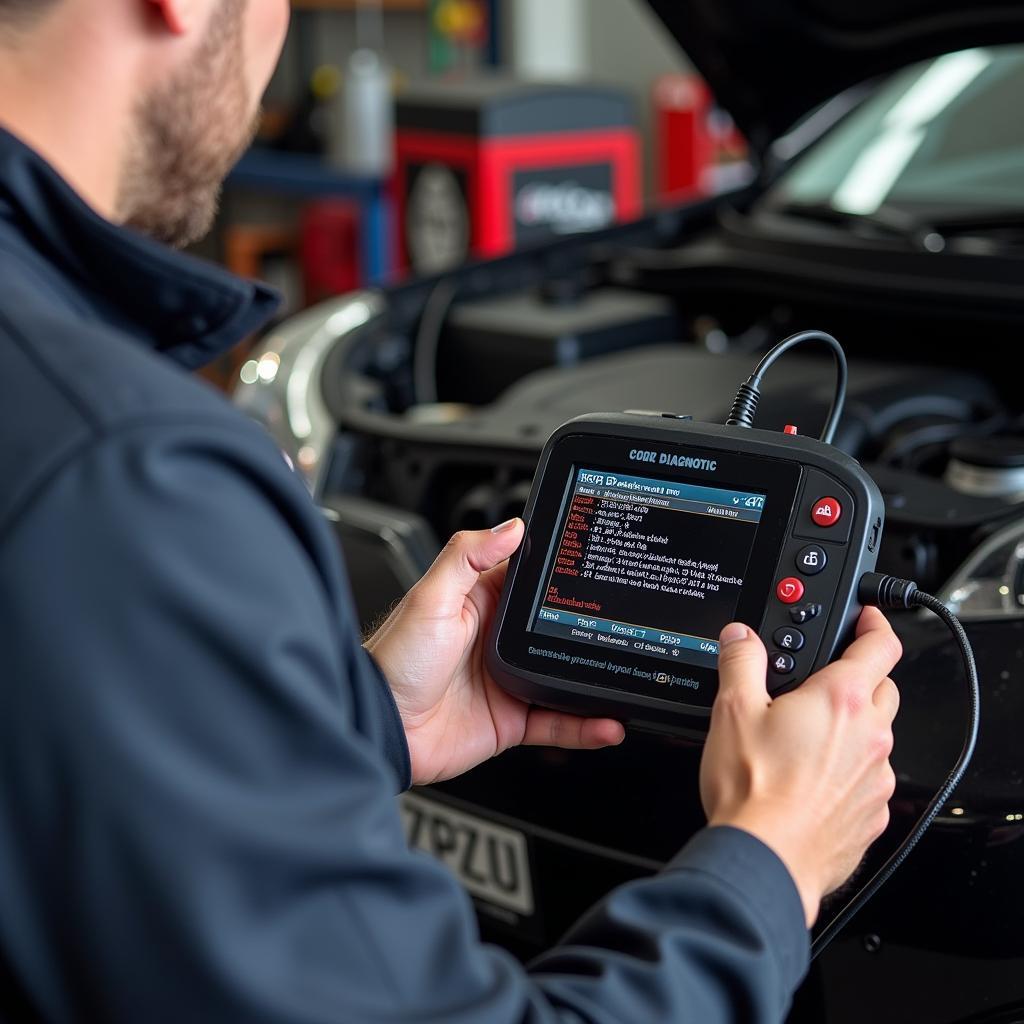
(770, 62)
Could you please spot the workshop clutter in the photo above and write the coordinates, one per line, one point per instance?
(488, 165)
(698, 150)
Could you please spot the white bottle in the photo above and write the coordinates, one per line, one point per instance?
(368, 115)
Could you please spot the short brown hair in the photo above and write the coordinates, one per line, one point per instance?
(24, 12)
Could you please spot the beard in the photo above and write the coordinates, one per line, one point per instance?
(186, 136)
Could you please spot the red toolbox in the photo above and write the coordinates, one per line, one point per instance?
(485, 166)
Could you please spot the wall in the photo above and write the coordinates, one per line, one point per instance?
(628, 44)
(620, 42)
(329, 37)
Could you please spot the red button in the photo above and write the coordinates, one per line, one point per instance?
(790, 590)
(826, 512)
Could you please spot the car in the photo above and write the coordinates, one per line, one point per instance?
(887, 209)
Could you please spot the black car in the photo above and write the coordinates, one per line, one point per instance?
(887, 209)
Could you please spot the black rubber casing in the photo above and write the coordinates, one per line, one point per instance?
(795, 471)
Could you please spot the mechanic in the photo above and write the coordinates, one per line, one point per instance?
(198, 758)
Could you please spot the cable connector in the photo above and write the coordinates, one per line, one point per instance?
(878, 590)
(744, 406)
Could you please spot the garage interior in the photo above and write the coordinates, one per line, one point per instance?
(488, 218)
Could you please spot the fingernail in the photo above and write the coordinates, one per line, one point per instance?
(733, 632)
(502, 527)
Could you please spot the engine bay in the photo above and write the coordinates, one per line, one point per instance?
(423, 409)
(443, 414)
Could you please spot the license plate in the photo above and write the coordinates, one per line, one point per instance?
(491, 861)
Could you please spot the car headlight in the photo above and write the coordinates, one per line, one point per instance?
(280, 385)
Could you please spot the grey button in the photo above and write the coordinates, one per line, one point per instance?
(811, 560)
(805, 613)
(788, 639)
(782, 664)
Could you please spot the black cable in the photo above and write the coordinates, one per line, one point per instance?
(749, 393)
(428, 340)
(890, 592)
(881, 591)
(904, 448)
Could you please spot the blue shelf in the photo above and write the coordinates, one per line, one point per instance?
(304, 175)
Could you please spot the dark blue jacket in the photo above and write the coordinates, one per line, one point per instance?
(198, 761)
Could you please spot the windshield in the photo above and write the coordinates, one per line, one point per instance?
(946, 135)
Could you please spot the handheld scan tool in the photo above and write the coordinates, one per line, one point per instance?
(648, 532)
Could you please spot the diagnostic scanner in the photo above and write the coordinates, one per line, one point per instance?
(646, 533)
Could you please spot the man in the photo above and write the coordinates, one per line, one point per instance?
(198, 760)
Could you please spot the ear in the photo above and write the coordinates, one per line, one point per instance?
(179, 16)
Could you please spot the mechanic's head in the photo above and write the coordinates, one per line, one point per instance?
(177, 86)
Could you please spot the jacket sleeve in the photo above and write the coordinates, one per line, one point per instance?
(196, 819)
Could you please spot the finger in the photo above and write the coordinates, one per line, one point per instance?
(494, 579)
(877, 649)
(887, 698)
(556, 729)
(742, 665)
(870, 618)
(457, 569)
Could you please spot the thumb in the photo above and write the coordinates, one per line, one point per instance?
(468, 554)
(742, 664)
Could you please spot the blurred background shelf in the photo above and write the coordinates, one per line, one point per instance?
(310, 177)
(349, 5)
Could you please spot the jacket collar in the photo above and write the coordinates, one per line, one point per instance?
(186, 308)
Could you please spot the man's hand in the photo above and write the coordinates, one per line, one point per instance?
(807, 773)
(431, 651)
